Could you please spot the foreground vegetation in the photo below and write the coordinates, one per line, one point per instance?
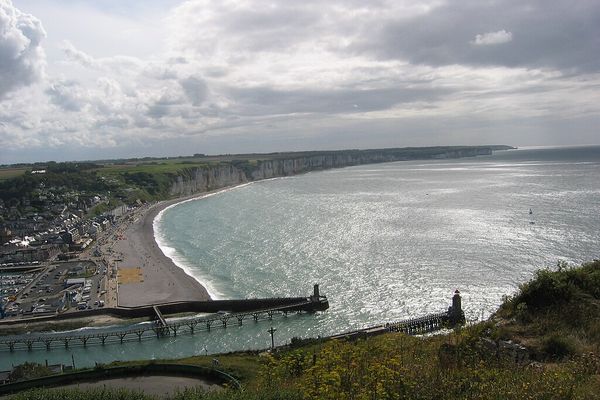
(556, 315)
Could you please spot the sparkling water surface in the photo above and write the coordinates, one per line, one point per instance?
(384, 241)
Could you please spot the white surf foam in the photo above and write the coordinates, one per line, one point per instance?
(178, 259)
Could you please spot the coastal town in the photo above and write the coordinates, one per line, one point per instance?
(49, 223)
(86, 277)
(50, 257)
(72, 242)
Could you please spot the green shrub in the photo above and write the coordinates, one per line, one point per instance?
(522, 313)
(559, 346)
(564, 285)
(29, 370)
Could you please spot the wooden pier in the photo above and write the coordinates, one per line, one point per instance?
(158, 328)
(249, 310)
(414, 326)
(314, 302)
(160, 320)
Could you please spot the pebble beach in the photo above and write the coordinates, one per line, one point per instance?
(144, 274)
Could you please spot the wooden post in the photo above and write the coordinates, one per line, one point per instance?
(272, 331)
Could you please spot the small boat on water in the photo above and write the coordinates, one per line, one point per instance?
(531, 222)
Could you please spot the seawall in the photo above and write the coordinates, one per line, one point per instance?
(212, 306)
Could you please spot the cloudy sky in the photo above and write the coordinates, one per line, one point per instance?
(111, 78)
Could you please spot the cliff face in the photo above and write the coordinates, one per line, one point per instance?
(460, 153)
(200, 180)
(273, 168)
(214, 177)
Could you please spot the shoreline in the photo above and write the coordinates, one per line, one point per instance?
(156, 216)
(146, 274)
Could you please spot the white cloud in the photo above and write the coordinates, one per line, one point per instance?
(270, 71)
(77, 55)
(68, 95)
(22, 59)
(195, 89)
(492, 38)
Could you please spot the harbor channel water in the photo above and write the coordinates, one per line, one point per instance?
(385, 242)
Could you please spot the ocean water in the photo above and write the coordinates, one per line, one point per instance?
(384, 241)
(389, 241)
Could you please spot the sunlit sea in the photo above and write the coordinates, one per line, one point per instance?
(384, 241)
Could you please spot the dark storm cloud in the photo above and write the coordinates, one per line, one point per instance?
(555, 34)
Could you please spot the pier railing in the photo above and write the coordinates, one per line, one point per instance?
(413, 326)
(158, 328)
(162, 327)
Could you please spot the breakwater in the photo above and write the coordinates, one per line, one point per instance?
(223, 311)
(308, 304)
(159, 328)
(414, 326)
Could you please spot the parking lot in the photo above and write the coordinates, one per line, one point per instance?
(11, 284)
(58, 288)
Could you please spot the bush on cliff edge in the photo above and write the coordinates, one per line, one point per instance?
(557, 310)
